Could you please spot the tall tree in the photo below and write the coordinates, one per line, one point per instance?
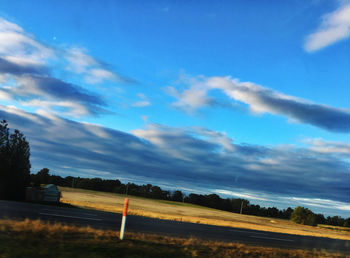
(14, 163)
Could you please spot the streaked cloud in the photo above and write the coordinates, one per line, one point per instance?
(166, 155)
(321, 203)
(9, 67)
(334, 27)
(243, 195)
(50, 93)
(264, 100)
(315, 204)
(322, 146)
(26, 68)
(175, 153)
(143, 102)
(94, 71)
(190, 99)
(18, 46)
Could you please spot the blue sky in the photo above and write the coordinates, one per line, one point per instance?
(241, 99)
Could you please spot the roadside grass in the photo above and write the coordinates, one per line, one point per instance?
(334, 227)
(191, 213)
(35, 238)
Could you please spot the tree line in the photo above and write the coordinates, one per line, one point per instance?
(299, 215)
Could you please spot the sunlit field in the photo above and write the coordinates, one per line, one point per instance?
(42, 239)
(193, 213)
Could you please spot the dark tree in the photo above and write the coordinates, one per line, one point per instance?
(177, 196)
(42, 177)
(272, 212)
(335, 221)
(213, 200)
(320, 219)
(156, 192)
(287, 213)
(14, 163)
(304, 216)
(347, 222)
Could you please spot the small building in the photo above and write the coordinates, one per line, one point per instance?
(34, 194)
(45, 193)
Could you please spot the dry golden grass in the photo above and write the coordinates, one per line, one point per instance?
(43, 239)
(191, 213)
(346, 229)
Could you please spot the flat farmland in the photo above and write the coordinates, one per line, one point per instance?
(192, 213)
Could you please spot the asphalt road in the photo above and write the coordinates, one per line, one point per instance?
(108, 220)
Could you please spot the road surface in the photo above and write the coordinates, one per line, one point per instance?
(108, 220)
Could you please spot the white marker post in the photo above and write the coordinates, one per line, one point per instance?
(125, 211)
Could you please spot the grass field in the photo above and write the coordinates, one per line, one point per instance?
(42, 239)
(192, 213)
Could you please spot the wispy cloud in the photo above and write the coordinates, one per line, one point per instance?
(143, 102)
(50, 93)
(330, 147)
(264, 100)
(26, 77)
(330, 207)
(322, 203)
(20, 47)
(94, 71)
(335, 26)
(8, 67)
(244, 195)
(192, 98)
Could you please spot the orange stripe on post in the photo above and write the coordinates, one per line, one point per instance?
(126, 203)
(125, 211)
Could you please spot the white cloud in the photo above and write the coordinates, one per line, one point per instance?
(192, 98)
(94, 71)
(244, 195)
(70, 108)
(99, 75)
(4, 95)
(335, 26)
(252, 94)
(330, 147)
(215, 137)
(26, 67)
(180, 143)
(261, 100)
(312, 203)
(144, 102)
(97, 130)
(9, 26)
(322, 203)
(78, 60)
(53, 95)
(25, 75)
(16, 45)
